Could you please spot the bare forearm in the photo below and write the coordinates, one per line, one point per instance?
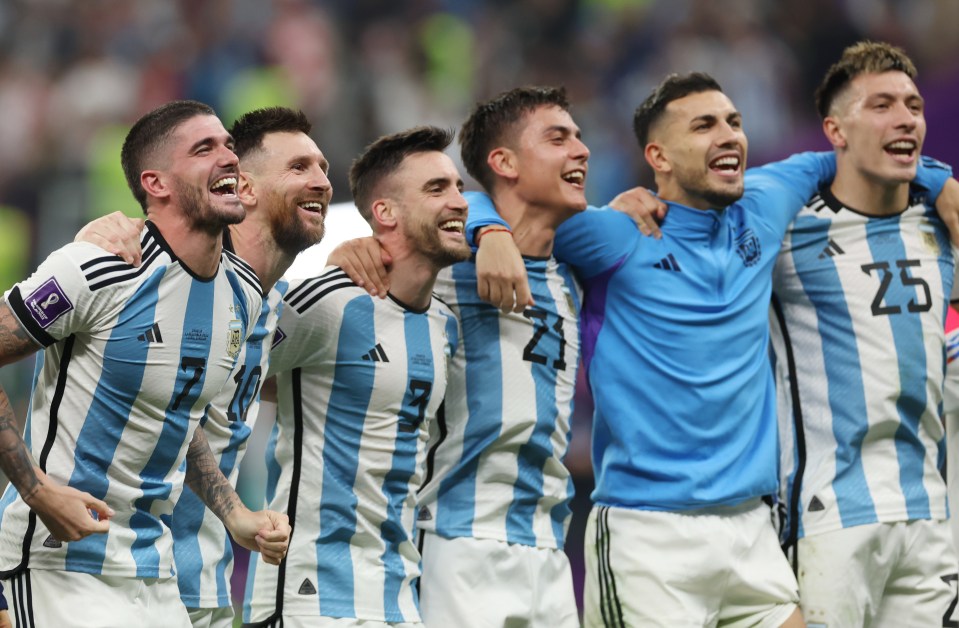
(15, 459)
(204, 478)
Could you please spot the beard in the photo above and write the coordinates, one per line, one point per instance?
(200, 212)
(289, 232)
(425, 238)
(698, 185)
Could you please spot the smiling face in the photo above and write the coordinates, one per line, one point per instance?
(551, 161)
(290, 177)
(878, 126)
(430, 210)
(204, 171)
(698, 150)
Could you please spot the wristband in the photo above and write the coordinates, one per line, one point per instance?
(490, 230)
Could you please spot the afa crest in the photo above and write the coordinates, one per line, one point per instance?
(234, 338)
(748, 247)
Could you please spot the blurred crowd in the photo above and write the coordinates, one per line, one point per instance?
(75, 73)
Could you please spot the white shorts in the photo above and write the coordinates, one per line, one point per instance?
(483, 583)
(715, 567)
(211, 617)
(45, 597)
(881, 574)
(314, 621)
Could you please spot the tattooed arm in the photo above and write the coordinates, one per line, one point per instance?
(264, 531)
(64, 510)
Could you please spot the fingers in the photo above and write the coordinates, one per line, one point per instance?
(117, 234)
(364, 261)
(646, 210)
(273, 541)
(524, 297)
(104, 512)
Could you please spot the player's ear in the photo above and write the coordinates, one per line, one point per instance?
(656, 157)
(502, 161)
(384, 212)
(154, 184)
(834, 133)
(246, 190)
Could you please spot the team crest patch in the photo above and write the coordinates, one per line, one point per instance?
(928, 233)
(748, 248)
(48, 303)
(234, 339)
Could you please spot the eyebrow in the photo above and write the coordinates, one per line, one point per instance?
(324, 164)
(565, 130)
(209, 141)
(444, 181)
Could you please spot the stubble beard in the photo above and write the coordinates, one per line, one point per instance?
(289, 232)
(201, 214)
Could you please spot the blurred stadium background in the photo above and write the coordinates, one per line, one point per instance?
(74, 74)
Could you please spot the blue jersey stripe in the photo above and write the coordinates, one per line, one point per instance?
(484, 375)
(842, 363)
(547, 357)
(396, 484)
(907, 337)
(124, 362)
(349, 400)
(194, 363)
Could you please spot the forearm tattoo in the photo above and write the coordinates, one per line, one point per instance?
(15, 459)
(204, 477)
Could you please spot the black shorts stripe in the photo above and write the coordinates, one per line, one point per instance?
(610, 606)
(297, 386)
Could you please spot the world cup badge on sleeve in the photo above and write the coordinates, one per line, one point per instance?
(48, 303)
(234, 338)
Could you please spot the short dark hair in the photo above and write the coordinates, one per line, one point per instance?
(149, 133)
(673, 87)
(866, 57)
(381, 158)
(490, 123)
(249, 129)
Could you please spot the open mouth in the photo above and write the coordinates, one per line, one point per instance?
(726, 165)
(224, 185)
(314, 207)
(903, 150)
(576, 177)
(453, 226)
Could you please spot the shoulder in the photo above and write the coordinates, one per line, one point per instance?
(333, 285)
(243, 270)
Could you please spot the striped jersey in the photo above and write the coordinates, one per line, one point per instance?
(495, 465)
(201, 546)
(858, 329)
(358, 381)
(132, 358)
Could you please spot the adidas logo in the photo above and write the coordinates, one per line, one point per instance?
(668, 263)
(832, 249)
(307, 588)
(376, 354)
(151, 335)
(815, 505)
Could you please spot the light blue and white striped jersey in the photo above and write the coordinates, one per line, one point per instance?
(133, 356)
(201, 546)
(495, 466)
(858, 328)
(358, 381)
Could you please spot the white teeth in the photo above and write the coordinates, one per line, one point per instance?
(727, 161)
(312, 205)
(226, 182)
(576, 176)
(452, 225)
(903, 145)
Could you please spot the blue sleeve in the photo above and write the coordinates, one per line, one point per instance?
(777, 191)
(932, 174)
(595, 240)
(482, 213)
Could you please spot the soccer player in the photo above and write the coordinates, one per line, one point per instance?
(285, 191)
(132, 358)
(861, 291)
(358, 381)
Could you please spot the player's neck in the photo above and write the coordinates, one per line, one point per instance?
(256, 246)
(198, 249)
(411, 276)
(866, 195)
(533, 226)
